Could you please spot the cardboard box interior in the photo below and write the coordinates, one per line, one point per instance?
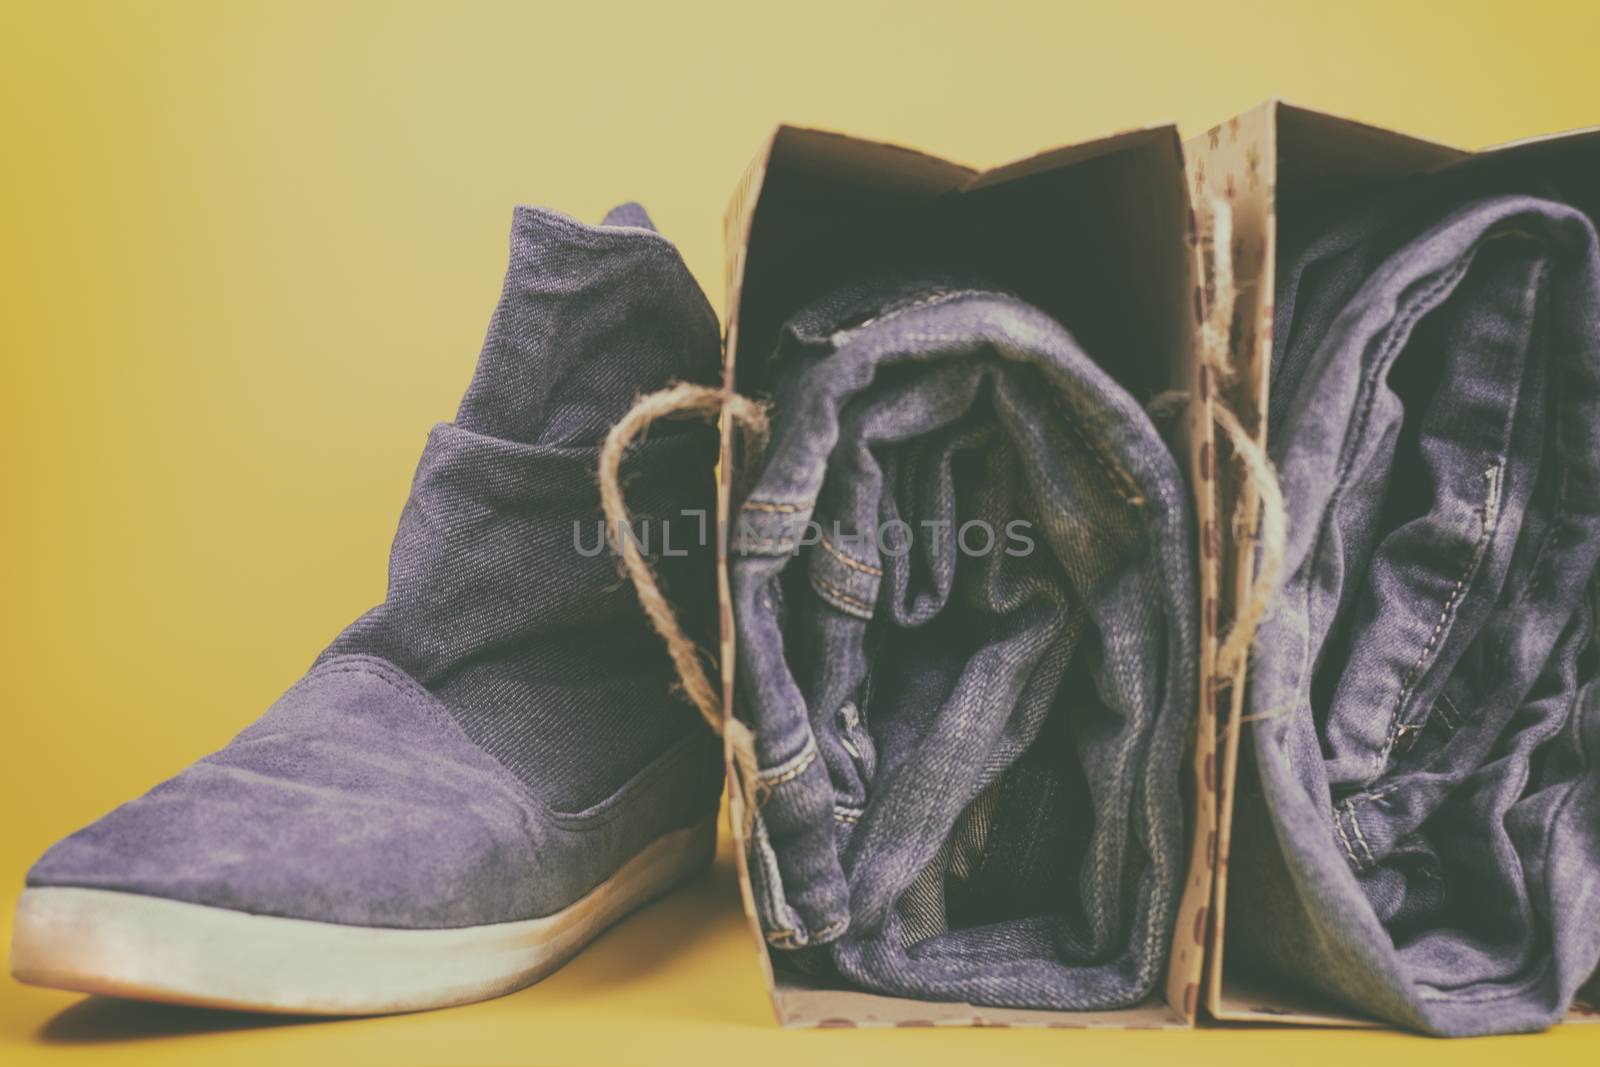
(1099, 235)
(1286, 172)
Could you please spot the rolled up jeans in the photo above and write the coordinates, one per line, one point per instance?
(1426, 843)
(965, 603)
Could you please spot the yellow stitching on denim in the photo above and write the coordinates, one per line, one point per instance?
(854, 564)
(1488, 513)
(1338, 828)
(789, 774)
(1373, 796)
(786, 544)
(1361, 837)
(828, 587)
(1122, 482)
(1399, 331)
(1357, 430)
(1452, 717)
(932, 299)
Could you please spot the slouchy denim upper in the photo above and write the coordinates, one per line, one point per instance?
(1428, 717)
(498, 736)
(965, 604)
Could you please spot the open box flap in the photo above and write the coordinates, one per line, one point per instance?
(1162, 136)
(1541, 142)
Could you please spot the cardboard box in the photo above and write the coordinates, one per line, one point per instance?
(1281, 168)
(1099, 234)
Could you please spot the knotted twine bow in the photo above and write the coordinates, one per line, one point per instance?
(1260, 494)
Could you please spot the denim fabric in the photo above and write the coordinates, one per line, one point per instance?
(1425, 846)
(969, 737)
(497, 737)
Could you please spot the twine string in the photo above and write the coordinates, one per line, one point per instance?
(688, 659)
(1259, 513)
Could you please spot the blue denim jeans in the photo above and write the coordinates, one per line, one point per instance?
(1424, 844)
(965, 601)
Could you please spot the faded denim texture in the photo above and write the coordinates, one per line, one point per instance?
(970, 761)
(497, 737)
(1425, 846)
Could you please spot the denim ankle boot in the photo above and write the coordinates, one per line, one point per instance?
(483, 772)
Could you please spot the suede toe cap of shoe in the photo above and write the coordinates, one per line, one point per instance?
(355, 800)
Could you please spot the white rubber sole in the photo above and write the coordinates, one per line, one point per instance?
(148, 948)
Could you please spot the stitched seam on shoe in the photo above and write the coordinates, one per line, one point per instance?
(624, 798)
(601, 237)
(420, 700)
(425, 702)
(603, 234)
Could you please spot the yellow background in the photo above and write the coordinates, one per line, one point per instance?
(248, 255)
